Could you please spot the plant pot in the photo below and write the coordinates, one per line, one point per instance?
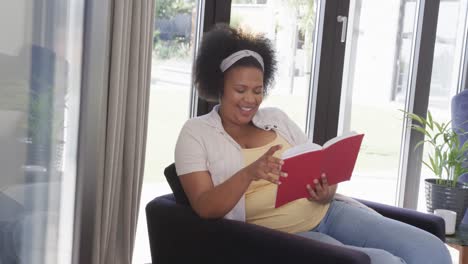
(445, 197)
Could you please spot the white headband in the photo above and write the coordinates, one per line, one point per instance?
(233, 58)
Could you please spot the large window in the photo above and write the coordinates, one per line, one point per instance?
(290, 26)
(174, 42)
(376, 83)
(40, 75)
(374, 90)
(378, 73)
(379, 55)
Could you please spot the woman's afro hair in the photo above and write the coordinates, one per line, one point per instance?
(218, 44)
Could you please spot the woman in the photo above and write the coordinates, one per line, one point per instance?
(229, 165)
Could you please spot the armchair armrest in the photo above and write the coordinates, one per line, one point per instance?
(178, 235)
(428, 222)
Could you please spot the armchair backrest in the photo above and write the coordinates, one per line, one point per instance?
(174, 182)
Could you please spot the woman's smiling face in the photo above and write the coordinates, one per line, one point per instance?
(243, 94)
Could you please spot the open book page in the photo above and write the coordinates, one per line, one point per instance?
(338, 138)
(300, 149)
(310, 146)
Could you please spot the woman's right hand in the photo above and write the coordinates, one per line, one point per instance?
(267, 167)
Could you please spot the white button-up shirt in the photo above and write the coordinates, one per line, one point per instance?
(204, 145)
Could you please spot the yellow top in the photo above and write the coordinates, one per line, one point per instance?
(297, 216)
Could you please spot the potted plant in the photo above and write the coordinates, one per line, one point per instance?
(446, 160)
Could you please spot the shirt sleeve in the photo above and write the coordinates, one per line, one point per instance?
(190, 153)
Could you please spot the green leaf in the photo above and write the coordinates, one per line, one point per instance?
(439, 127)
(421, 130)
(429, 117)
(418, 119)
(446, 125)
(419, 144)
(430, 167)
(447, 155)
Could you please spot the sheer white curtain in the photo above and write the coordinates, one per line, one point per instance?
(118, 191)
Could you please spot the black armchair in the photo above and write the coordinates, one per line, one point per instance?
(178, 235)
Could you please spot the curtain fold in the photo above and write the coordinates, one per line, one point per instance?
(118, 193)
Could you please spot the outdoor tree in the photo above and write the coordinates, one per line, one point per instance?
(169, 8)
(174, 45)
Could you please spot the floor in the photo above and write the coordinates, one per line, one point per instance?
(141, 254)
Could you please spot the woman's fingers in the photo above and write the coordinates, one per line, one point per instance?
(274, 180)
(313, 194)
(270, 177)
(274, 160)
(268, 167)
(274, 177)
(273, 149)
(274, 164)
(318, 186)
(320, 190)
(324, 180)
(275, 168)
(271, 160)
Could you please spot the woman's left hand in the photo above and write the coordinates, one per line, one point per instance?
(321, 192)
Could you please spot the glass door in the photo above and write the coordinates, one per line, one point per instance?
(375, 79)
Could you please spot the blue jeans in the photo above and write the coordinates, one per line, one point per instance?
(383, 239)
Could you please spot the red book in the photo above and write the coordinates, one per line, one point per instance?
(307, 162)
